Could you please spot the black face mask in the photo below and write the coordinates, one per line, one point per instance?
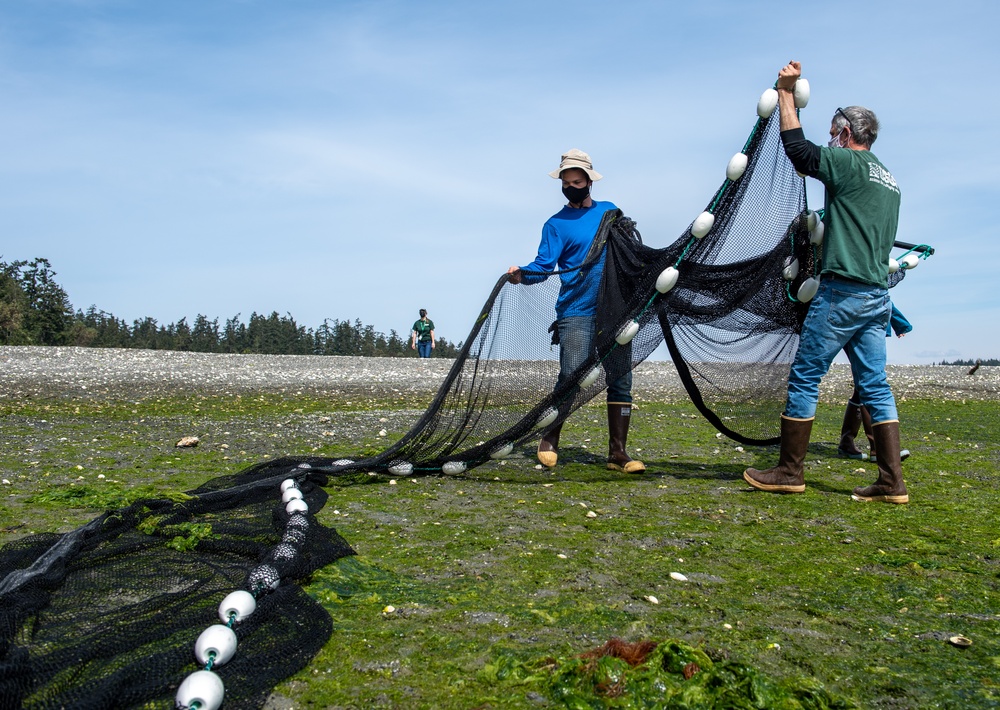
(576, 195)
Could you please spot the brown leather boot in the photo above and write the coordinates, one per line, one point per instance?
(889, 487)
(548, 446)
(787, 476)
(866, 419)
(848, 431)
(619, 415)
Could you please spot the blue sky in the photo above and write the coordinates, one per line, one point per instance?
(366, 159)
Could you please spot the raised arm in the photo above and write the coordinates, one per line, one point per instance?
(787, 77)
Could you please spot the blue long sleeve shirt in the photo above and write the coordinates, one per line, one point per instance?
(566, 239)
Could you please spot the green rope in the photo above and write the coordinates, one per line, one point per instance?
(687, 248)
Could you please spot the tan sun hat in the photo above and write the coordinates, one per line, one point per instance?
(576, 158)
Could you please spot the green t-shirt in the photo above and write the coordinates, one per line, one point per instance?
(423, 329)
(861, 216)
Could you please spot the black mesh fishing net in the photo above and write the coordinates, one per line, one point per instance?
(107, 615)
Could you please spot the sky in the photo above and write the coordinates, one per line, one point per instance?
(343, 159)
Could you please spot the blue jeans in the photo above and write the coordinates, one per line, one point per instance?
(843, 313)
(424, 348)
(576, 333)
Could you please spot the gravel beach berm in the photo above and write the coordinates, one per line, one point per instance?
(41, 372)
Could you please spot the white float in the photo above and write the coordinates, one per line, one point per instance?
(816, 235)
(401, 468)
(259, 576)
(812, 219)
(667, 279)
(626, 334)
(218, 640)
(548, 417)
(503, 452)
(452, 467)
(288, 483)
(703, 225)
(808, 289)
(768, 100)
(240, 603)
(737, 166)
(201, 688)
(909, 261)
(342, 462)
(291, 494)
(296, 506)
(791, 271)
(591, 377)
(801, 93)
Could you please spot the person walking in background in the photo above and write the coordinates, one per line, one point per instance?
(422, 335)
(566, 239)
(852, 306)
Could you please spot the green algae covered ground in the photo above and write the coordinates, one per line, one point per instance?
(482, 590)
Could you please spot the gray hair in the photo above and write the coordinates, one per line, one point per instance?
(862, 121)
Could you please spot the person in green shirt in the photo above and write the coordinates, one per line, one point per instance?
(422, 335)
(851, 308)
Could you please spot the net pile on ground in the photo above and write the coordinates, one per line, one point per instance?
(108, 615)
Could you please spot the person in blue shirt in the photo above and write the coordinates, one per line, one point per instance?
(566, 239)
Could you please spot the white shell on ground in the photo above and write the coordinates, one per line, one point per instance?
(453, 467)
(812, 218)
(768, 100)
(502, 452)
(241, 602)
(909, 261)
(702, 225)
(808, 289)
(816, 235)
(201, 687)
(667, 279)
(893, 265)
(548, 416)
(801, 93)
(737, 166)
(296, 506)
(791, 271)
(591, 377)
(678, 576)
(288, 483)
(401, 468)
(626, 334)
(217, 639)
(291, 494)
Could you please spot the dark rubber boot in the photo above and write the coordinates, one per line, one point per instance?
(889, 487)
(866, 419)
(787, 476)
(548, 446)
(619, 415)
(848, 431)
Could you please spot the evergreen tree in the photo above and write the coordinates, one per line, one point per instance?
(205, 335)
(13, 310)
(49, 314)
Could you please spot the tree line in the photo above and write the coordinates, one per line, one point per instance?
(989, 361)
(36, 310)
